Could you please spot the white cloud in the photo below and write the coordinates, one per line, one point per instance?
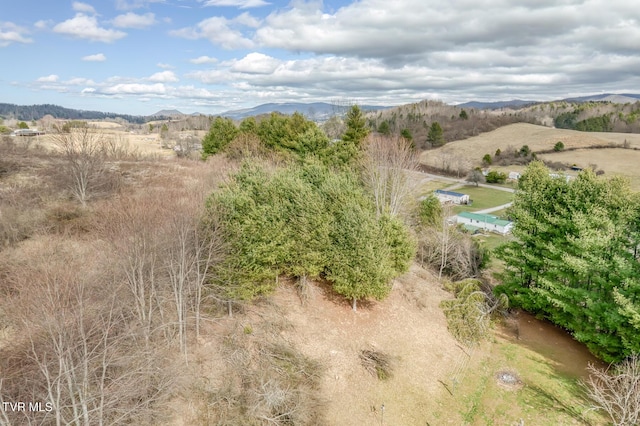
(80, 81)
(48, 79)
(136, 89)
(219, 31)
(164, 66)
(43, 24)
(256, 63)
(83, 7)
(98, 57)
(247, 20)
(242, 4)
(132, 20)
(12, 33)
(135, 4)
(203, 60)
(164, 77)
(378, 51)
(86, 27)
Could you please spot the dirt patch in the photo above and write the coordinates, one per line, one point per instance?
(416, 338)
(408, 327)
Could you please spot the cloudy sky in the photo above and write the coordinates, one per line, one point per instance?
(140, 56)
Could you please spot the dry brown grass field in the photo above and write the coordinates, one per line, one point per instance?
(141, 141)
(468, 153)
(619, 162)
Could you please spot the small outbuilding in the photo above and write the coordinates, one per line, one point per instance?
(486, 222)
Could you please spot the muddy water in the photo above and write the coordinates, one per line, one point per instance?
(568, 355)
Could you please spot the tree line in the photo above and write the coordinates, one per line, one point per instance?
(575, 259)
(36, 112)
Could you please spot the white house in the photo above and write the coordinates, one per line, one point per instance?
(485, 222)
(451, 197)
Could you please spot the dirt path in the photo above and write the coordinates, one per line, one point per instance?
(494, 209)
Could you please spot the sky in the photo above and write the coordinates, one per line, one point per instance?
(210, 56)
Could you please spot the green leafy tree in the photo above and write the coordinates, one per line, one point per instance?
(221, 133)
(305, 221)
(495, 176)
(435, 136)
(313, 142)
(384, 128)
(341, 154)
(23, 125)
(575, 258)
(248, 125)
(283, 133)
(430, 210)
(559, 146)
(595, 124)
(498, 152)
(524, 151)
(463, 115)
(356, 124)
(486, 160)
(406, 133)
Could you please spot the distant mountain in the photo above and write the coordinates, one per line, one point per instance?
(167, 113)
(314, 111)
(623, 98)
(496, 105)
(36, 112)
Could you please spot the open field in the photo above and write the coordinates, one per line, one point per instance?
(141, 141)
(515, 135)
(621, 162)
(483, 198)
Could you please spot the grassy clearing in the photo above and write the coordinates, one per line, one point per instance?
(540, 396)
(483, 198)
(427, 187)
(492, 241)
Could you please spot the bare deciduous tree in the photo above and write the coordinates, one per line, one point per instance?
(76, 354)
(445, 238)
(191, 251)
(386, 164)
(134, 229)
(476, 177)
(445, 249)
(83, 152)
(616, 390)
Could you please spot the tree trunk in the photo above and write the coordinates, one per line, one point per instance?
(354, 304)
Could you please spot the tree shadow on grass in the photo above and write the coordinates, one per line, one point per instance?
(544, 400)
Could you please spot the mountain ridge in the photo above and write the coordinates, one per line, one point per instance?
(314, 110)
